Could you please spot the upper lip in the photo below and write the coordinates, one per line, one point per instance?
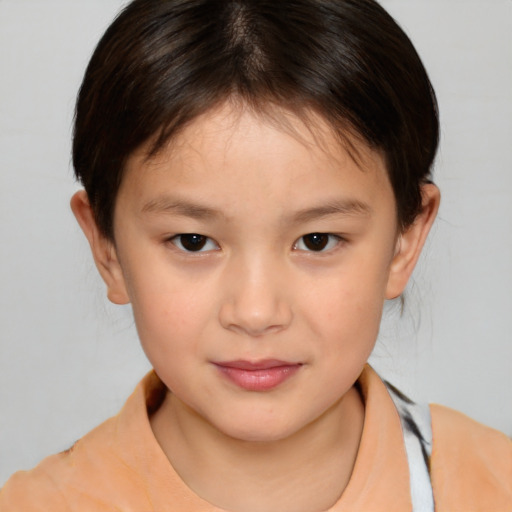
(264, 364)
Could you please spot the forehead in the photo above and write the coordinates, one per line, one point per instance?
(241, 154)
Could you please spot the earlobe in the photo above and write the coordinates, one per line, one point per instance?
(411, 242)
(103, 249)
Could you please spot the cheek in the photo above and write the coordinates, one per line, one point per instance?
(169, 312)
(170, 328)
(345, 309)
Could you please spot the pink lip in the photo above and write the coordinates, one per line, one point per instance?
(258, 375)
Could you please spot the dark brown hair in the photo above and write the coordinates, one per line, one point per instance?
(162, 63)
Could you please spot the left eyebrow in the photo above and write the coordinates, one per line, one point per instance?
(341, 207)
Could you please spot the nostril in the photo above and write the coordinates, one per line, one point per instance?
(243, 319)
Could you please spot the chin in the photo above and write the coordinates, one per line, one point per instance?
(257, 431)
(259, 437)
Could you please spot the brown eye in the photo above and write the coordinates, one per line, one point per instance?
(192, 242)
(317, 242)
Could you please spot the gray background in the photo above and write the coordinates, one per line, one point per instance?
(68, 359)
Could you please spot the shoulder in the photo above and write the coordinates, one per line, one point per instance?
(92, 475)
(110, 468)
(471, 464)
(30, 491)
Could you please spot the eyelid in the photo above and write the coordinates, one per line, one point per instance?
(332, 244)
(211, 245)
(178, 243)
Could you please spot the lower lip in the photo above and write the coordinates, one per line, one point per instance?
(263, 379)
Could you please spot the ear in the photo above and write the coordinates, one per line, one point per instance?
(103, 249)
(410, 243)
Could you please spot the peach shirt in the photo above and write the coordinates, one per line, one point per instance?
(119, 466)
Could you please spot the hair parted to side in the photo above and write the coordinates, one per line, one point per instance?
(162, 63)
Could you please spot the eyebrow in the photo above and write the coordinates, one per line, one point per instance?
(341, 207)
(180, 207)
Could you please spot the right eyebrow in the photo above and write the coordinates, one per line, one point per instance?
(169, 205)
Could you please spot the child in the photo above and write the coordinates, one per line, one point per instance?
(256, 183)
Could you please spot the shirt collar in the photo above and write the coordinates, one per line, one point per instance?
(379, 482)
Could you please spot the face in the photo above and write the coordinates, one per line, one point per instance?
(257, 261)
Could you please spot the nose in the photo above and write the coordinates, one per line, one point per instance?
(255, 301)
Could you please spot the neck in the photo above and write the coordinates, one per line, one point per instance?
(305, 472)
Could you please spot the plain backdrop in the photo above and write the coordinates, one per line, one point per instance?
(69, 359)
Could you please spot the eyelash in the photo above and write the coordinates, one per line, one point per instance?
(324, 242)
(331, 242)
(202, 241)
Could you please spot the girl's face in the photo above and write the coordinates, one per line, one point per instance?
(257, 261)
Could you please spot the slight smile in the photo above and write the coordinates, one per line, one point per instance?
(258, 375)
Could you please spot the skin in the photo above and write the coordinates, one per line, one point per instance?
(255, 292)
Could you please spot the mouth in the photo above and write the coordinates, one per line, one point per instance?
(258, 375)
